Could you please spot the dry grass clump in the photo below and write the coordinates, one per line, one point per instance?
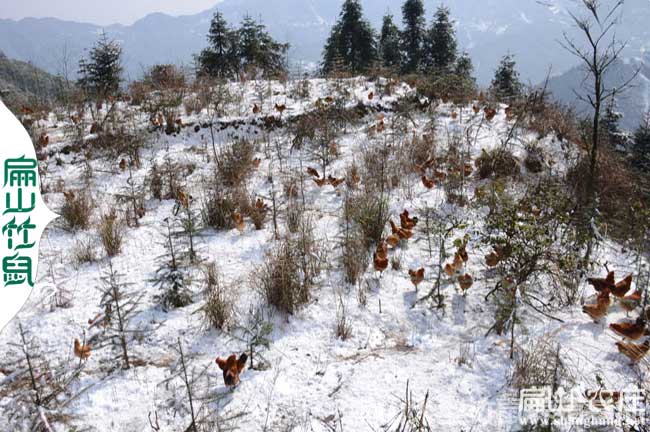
(218, 308)
(111, 233)
(539, 364)
(76, 210)
(235, 162)
(370, 212)
(287, 275)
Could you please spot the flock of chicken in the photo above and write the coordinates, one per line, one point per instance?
(403, 233)
(630, 331)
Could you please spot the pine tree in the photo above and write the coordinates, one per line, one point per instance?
(120, 306)
(389, 44)
(641, 148)
(440, 45)
(352, 40)
(101, 73)
(258, 50)
(221, 58)
(464, 74)
(506, 84)
(610, 123)
(413, 35)
(172, 277)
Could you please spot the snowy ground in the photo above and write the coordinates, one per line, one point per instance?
(316, 381)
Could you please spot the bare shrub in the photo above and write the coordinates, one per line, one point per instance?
(235, 162)
(111, 233)
(534, 161)
(619, 189)
(76, 210)
(498, 162)
(155, 182)
(219, 207)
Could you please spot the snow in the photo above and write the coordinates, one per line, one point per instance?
(314, 378)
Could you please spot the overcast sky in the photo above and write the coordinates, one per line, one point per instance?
(100, 11)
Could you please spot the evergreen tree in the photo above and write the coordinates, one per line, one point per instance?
(464, 73)
(506, 84)
(441, 42)
(101, 73)
(172, 277)
(389, 43)
(413, 35)
(610, 124)
(257, 49)
(351, 42)
(221, 58)
(641, 148)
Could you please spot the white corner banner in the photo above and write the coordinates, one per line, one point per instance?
(23, 215)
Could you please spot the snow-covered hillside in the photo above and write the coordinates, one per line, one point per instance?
(311, 380)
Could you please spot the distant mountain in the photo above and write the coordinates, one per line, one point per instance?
(486, 28)
(22, 83)
(632, 103)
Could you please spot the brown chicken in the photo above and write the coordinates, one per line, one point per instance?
(492, 259)
(634, 352)
(621, 288)
(462, 252)
(632, 301)
(256, 109)
(603, 283)
(392, 240)
(81, 351)
(123, 164)
(417, 276)
(232, 368)
(600, 309)
(336, 182)
(280, 108)
(261, 205)
(602, 398)
(43, 140)
(458, 261)
(403, 234)
(321, 182)
(371, 95)
(312, 172)
(503, 252)
(476, 109)
(238, 219)
(450, 269)
(257, 162)
(428, 183)
(465, 281)
(407, 222)
(380, 263)
(490, 113)
(382, 250)
(631, 331)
